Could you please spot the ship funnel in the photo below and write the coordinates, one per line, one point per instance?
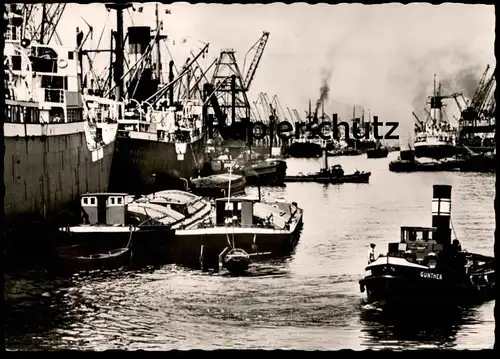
(441, 212)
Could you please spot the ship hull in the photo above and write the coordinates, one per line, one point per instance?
(304, 150)
(377, 153)
(136, 160)
(190, 244)
(438, 151)
(353, 178)
(390, 284)
(43, 175)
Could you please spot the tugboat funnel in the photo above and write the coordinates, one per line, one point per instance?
(441, 212)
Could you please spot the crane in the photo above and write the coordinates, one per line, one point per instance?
(279, 107)
(233, 93)
(260, 46)
(44, 30)
(296, 113)
(419, 123)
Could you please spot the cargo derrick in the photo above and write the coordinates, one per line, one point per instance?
(42, 31)
(231, 87)
(477, 122)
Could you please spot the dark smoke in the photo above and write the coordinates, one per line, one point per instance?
(464, 78)
(323, 91)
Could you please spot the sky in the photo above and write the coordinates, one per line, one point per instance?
(382, 57)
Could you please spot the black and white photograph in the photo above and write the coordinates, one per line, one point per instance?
(206, 176)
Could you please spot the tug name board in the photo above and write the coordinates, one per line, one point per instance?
(428, 275)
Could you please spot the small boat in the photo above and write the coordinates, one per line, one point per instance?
(379, 152)
(427, 265)
(236, 261)
(81, 257)
(216, 186)
(333, 175)
(256, 169)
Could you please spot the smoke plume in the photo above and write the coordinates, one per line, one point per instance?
(323, 90)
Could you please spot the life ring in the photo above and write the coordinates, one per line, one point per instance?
(62, 63)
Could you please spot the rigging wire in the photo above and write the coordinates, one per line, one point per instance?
(102, 33)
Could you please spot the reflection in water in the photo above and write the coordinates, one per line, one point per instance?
(310, 300)
(410, 327)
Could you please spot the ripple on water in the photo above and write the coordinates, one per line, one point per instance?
(308, 301)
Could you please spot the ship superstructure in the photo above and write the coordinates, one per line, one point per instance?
(58, 142)
(435, 137)
(162, 135)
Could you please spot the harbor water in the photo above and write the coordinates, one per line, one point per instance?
(308, 301)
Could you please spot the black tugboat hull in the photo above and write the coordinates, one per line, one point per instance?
(419, 286)
(377, 153)
(363, 177)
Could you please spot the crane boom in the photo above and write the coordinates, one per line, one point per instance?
(480, 87)
(260, 45)
(46, 29)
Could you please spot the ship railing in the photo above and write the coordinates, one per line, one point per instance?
(54, 96)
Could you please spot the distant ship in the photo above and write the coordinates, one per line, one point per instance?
(478, 120)
(309, 144)
(435, 138)
(160, 139)
(58, 142)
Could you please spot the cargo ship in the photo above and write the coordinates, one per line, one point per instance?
(309, 144)
(161, 139)
(435, 138)
(59, 142)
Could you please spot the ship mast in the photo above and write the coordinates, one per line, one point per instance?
(157, 40)
(119, 55)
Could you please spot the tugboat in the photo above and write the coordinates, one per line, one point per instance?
(332, 175)
(426, 264)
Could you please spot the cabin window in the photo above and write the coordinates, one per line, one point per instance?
(92, 200)
(112, 200)
(55, 82)
(119, 200)
(85, 200)
(239, 206)
(16, 62)
(229, 206)
(70, 55)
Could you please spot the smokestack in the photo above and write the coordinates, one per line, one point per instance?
(170, 79)
(441, 212)
(233, 99)
(335, 120)
(309, 116)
